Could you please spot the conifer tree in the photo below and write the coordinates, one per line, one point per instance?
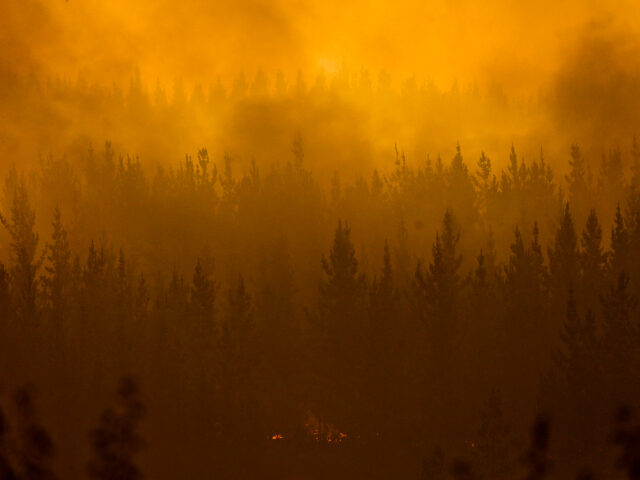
(578, 343)
(573, 387)
(436, 293)
(116, 441)
(337, 351)
(36, 450)
(124, 294)
(577, 180)
(633, 227)
(563, 262)
(203, 296)
(7, 471)
(385, 357)
(486, 183)
(57, 282)
(527, 326)
(6, 308)
(618, 256)
(627, 437)
(236, 363)
(619, 338)
(461, 195)
(94, 289)
(278, 339)
(141, 299)
(536, 459)
(342, 292)
(437, 287)
(592, 263)
(403, 261)
(24, 243)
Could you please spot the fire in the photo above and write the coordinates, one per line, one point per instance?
(277, 436)
(324, 432)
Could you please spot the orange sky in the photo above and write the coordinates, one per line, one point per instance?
(517, 43)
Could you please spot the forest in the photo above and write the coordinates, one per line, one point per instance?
(297, 240)
(442, 318)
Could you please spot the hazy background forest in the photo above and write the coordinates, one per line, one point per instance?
(283, 240)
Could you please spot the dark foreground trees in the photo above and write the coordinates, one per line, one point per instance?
(273, 335)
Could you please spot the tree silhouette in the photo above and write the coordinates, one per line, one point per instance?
(24, 243)
(564, 261)
(36, 447)
(7, 471)
(536, 458)
(115, 441)
(592, 262)
(57, 282)
(437, 288)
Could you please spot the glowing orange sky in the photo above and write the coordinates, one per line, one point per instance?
(516, 43)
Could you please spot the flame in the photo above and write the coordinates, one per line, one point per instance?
(277, 436)
(323, 432)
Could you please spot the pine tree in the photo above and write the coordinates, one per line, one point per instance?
(577, 180)
(611, 176)
(436, 292)
(635, 167)
(461, 196)
(115, 441)
(6, 308)
(177, 295)
(7, 471)
(483, 331)
(236, 363)
(278, 339)
(382, 291)
(337, 351)
(536, 255)
(141, 299)
(384, 355)
(484, 170)
(202, 301)
(24, 244)
(437, 288)
(619, 338)
(633, 227)
(619, 251)
(592, 263)
(563, 262)
(57, 282)
(36, 449)
(573, 387)
(95, 296)
(342, 292)
(485, 283)
(536, 459)
(236, 332)
(514, 170)
(527, 327)
(486, 183)
(124, 294)
(298, 150)
(403, 261)
(200, 339)
(627, 437)
(578, 338)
